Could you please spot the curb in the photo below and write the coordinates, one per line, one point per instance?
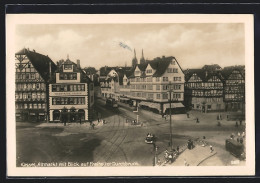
(206, 158)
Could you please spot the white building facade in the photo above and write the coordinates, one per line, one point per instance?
(152, 83)
(72, 92)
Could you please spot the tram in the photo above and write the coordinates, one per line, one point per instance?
(110, 102)
(235, 148)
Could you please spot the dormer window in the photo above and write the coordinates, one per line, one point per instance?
(67, 66)
(149, 71)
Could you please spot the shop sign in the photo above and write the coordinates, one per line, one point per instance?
(68, 93)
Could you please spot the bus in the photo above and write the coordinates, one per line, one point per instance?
(235, 148)
(111, 103)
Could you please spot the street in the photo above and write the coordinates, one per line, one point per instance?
(118, 141)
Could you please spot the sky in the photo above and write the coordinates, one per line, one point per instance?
(97, 45)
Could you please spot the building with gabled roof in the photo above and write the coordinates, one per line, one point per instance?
(33, 74)
(71, 93)
(204, 89)
(234, 88)
(148, 85)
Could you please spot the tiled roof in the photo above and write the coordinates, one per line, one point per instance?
(226, 71)
(40, 62)
(203, 74)
(158, 64)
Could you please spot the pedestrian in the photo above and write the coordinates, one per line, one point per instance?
(162, 115)
(165, 117)
(211, 148)
(159, 162)
(204, 137)
(241, 140)
(178, 148)
(197, 120)
(79, 120)
(219, 124)
(220, 116)
(188, 115)
(185, 162)
(93, 126)
(243, 135)
(236, 124)
(237, 139)
(98, 119)
(240, 122)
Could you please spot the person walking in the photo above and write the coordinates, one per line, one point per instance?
(236, 124)
(211, 148)
(197, 120)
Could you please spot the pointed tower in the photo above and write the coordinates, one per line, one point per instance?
(134, 60)
(142, 60)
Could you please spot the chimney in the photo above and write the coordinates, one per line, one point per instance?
(78, 64)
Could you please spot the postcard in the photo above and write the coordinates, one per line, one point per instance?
(130, 95)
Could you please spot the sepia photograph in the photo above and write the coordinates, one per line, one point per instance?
(130, 95)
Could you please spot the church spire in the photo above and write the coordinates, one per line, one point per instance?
(142, 60)
(134, 60)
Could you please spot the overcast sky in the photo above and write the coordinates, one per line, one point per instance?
(193, 45)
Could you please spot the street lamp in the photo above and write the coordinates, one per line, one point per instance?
(170, 92)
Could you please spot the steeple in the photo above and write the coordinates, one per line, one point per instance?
(134, 60)
(142, 60)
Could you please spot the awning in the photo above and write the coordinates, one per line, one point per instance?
(126, 99)
(150, 104)
(173, 105)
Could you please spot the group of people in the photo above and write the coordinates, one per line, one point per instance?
(170, 156)
(240, 137)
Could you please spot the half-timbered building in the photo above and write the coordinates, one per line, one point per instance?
(234, 88)
(204, 89)
(33, 72)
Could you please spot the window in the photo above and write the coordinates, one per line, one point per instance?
(32, 76)
(39, 106)
(165, 78)
(165, 96)
(176, 78)
(165, 87)
(54, 88)
(35, 106)
(157, 87)
(38, 95)
(209, 106)
(30, 106)
(157, 79)
(149, 79)
(177, 87)
(173, 62)
(158, 96)
(25, 106)
(37, 86)
(175, 70)
(43, 106)
(170, 70)
(67, 66)
(149, 71)
(83, 87)
(42, 95)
